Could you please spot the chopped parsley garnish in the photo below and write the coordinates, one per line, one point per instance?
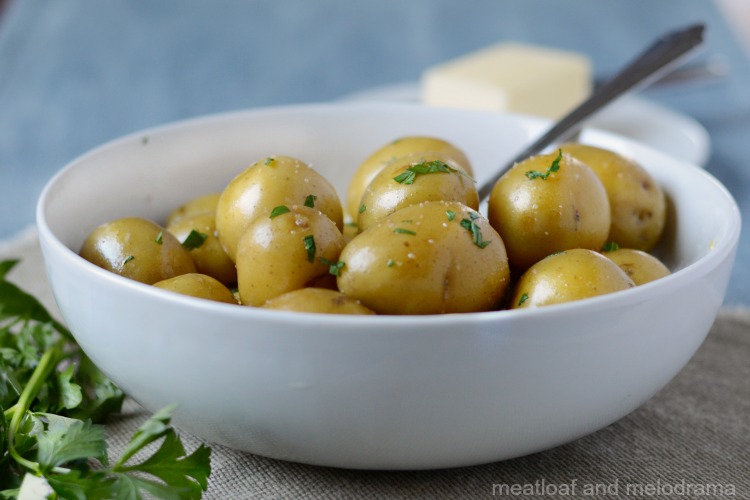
(610, 246)
(424, 168)
(281, 209)
(269, 161)
(160, 237)
(310, 200)
(362, 208)
(128, 259)
(475, 230)
(451, 214)
(524, 298)
(390, 262)
(554, 167)
(310, 247)
(401, 230)
(334, 268)
(194, 240)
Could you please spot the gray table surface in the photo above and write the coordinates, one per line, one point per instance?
(78, 73)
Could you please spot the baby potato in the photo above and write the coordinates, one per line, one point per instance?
(546, 204)
(567, 276)
(207, 253)
(317, 300)
(413, 179)
(198, 285)
(637, 202)
(138, 249)
(287, 249)
(268, 183)
(386, 154)
(351, 229)
(430, 258)
(201, 205)
(640, 266)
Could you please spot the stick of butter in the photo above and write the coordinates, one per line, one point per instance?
(511, 77)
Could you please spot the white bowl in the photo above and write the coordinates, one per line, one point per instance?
(374, 392)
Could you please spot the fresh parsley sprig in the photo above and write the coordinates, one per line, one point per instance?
(51, 396)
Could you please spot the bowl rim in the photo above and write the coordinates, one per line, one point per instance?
(624, 298)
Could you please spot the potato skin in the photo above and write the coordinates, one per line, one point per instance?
(387, 153)
(209, 258)
(138, 249)
(268, 183)
(638, 204)
(567, 276)
(537, 217)
(317, 300)
(198, 285)
(385, 195)
(424, 259)
(640, 266)
(274, 256)
(205, 204)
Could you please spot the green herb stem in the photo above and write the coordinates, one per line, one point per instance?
(47, 363)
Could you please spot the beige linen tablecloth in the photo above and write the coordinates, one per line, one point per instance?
(692, 440)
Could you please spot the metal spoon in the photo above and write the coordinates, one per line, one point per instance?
(657, 59)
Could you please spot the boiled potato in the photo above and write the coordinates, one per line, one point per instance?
(287, 249)
(386, 154)
(268, 183)
(546, 204)
(567, 276)
(207, 252)
(317, 300)
(637, 203)
(202, 205)
(351, 229)
(413, 179)
(430, 258)
(640, 266)
(137, 248)
(198, 285)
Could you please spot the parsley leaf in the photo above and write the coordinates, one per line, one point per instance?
(194, 240)
(610, 246)
(310, 247)
(425, 168)
(400, 230)
(475, 230)
(554, 167)
(334, 268)
(51, 395)
(310, 200)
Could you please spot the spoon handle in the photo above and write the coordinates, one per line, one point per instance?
(646, 66)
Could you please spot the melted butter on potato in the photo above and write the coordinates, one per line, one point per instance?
(414, 179)
(547, 204)
(268, 183)
(429, 258)
(637, 202)
(317, 300)
(567, 276)
(286, 249)
(393, 151)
